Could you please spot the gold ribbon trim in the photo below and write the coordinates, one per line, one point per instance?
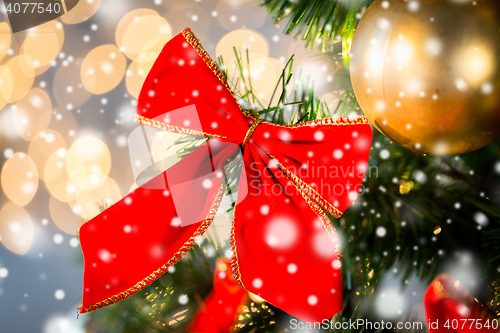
(250, 132)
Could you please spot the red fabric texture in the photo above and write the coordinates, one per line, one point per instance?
(285, 248)
(451, 308)
(220, 309)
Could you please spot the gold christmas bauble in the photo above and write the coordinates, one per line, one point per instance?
(427, 73)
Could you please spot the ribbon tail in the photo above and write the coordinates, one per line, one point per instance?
(135, 241)
(281, 241)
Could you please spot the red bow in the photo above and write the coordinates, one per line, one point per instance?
(285, 248)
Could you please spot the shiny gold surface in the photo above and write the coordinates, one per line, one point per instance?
(427, 73)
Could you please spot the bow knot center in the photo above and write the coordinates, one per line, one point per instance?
(250, 132)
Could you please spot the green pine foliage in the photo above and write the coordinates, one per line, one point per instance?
(157, 307)
(326, 21)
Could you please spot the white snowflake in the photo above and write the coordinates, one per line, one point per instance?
(59, 294)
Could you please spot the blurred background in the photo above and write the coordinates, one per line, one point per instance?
(69, 90)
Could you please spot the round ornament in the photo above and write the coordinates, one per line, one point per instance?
(427, 73)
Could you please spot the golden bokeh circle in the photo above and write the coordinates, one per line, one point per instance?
(141, 34)
(16, 78)
(57, 180)
(43, 146)
(258, 47)
(90, 202)
(43, 43)
(103, 69)
(16, 228)
(68, 88)
(136, 75)
(32, 113)
(19, 179)
(6, 85)
(264, 73)
(94, 159)
(81, 12)
(64, 217)
(5, 39)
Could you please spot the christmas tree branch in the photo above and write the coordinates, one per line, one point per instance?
(326, 21)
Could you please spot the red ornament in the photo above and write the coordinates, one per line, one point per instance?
(452, 309)
(285, 247)
(220, 308)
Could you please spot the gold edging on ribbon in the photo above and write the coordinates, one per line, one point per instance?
(306, 190)
(346, 120)
(235, 267)
(174, 129)
(195, 43)
(311, 197)
(318, 205)
(327, 224)
(340, 121)
(163, 269)
(250, 132)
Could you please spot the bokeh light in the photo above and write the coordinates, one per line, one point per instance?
(81, 12)
(136, 75)
(16, 78)
(141, 34)
(264, 73)
(64, 217)
(5, 39)
(89, 203)
(102, 69)
(475, 64)
(43, 43)
(94, 160)
(19, 179)
(7, 123)
(16, 228)
(390, 303)
(32, 113)
(56, 176)
(60, 324)
(5, 88)
(43, 146)
(257, 44)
